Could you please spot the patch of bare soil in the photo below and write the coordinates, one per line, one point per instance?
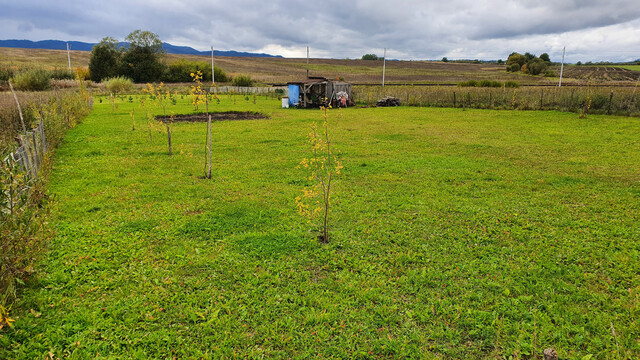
(215, 116)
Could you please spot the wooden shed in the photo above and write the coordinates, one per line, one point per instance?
(319, 91)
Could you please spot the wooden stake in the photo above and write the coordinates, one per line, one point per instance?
(307, 62)
(69, 56)
(24, 128)
(384, 64)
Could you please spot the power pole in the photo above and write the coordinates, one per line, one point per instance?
(69, 56)
(384, 64)
(213, 70)
(307, 62)
(562, 66)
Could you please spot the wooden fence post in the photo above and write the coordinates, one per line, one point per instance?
(609, 107)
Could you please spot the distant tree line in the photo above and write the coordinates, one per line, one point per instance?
(529, 63)
(143, 60)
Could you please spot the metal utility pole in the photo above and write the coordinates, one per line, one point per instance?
(69, 56)
(307, 62)
(562, 66)
(213, 70)
(384, 64)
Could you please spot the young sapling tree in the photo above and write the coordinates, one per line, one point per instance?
(322, 166)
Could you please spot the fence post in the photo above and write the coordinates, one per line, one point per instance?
(610, 99)
(36, 152)
(541, 96)
(454, 99)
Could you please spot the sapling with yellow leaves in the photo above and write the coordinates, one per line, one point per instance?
(199, 96)
(322, 166)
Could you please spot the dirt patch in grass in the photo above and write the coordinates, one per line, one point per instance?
(216, 116)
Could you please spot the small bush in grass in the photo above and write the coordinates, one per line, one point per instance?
(469, 83)
(6, 72)
(511, 84)
(242, 80)
(118, 84)
(181, 70)
(32, 80)
(62, 74)
(483, 83)
(490, 83)
(550, 73)
(82, 73)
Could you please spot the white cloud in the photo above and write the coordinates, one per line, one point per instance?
(411, 29)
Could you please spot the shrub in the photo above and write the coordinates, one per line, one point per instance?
(490, 83)
(6, 72)
(482, 83)
(536, 67)
(513, 67)
(469, 83)
(370, 57)
(550, 73)
(181, 70)
(62, 74)
(511, 84)
(242, 80)
(32, 80)
(118, 84)
(83, 73)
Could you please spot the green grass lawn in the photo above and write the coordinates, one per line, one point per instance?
(628, 67)
(456, 234)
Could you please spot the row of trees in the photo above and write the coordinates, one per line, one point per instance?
(528, 63)
(143, 61)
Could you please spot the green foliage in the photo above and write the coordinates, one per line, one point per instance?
(481, 83)
(242, 80)
(23, 210)
(514, 67)
(515, 59)
(550, 73)
(143, 61)
(145, 39)
(536, 66)
(511, 84)
(32, 80)
(105, 59)
(181, 70)
(118, 84)
(444, 59)
(370, 57)
(24, 202)
(62, 74)
(6, 72)
(527, 63)
(545, 57)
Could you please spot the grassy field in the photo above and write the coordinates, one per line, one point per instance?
(456, 234)
(628, 67)
(281, 70)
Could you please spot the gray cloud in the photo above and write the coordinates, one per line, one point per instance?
(411, 29)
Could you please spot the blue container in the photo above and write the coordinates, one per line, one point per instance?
(294, 95)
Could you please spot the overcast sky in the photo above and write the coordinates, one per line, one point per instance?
(592, 30)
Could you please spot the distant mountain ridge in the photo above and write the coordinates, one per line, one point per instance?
(83, 46)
